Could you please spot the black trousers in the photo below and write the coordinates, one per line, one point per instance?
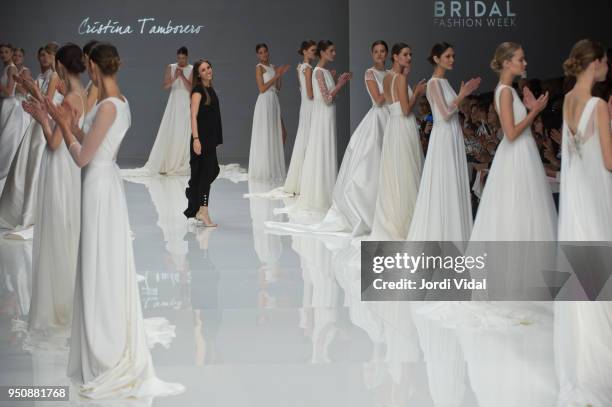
(204, 170)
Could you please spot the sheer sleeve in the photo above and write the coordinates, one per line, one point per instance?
(83, 153)
(326, 93)
(434, 88)
(369, 75)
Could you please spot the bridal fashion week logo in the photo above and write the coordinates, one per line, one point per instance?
(473, 14)
(143, 26)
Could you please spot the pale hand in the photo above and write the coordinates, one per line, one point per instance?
(532, 103)
(37, 110)
(62, 114)
(197, 147)
(281, 70)
(420, 87)
(345, 77)
(28, 84)
(467, 88)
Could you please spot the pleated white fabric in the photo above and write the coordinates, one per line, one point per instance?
(109, 354)
(401, 165)
(18, 200)
(583, 330)
(267, 156)
(294, 174)
(13, 122)
(443, 210)
(54, 260)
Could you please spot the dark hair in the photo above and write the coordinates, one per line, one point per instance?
(305, 45)
(71, 56)
(323, 45)
(182, 51)
(19, 49)
(437, 50)
(88, 46)
(197, 81)
(105, 55)
(397, 48)
(582, 54)
(261, 45)
(379, 42)
(41, 49)
(6, 45)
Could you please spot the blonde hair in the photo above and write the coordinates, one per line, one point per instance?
(582, 54)
(504, 52)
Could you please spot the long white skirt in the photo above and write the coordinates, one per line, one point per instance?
(267, 157)
(294, 174)
(401, 164)
(109, 354)
(56, 242)
(13, 123)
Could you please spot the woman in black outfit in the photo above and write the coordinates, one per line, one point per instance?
(206, 135)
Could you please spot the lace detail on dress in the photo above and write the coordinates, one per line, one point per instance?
(436, 93)
(325, 93)
(576, 141)
(369, 75)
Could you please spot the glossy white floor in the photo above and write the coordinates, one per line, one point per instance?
(267, 320)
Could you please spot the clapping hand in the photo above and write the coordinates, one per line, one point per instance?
(345, 77)
(37, 110)
(420, 87)
(29, 85)
(64, 114)
(467, 88)
(281, 70)
(532, 103)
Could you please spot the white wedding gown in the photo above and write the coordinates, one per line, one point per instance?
(109, 354)
(320, 163)
(401, 165)
(13, 123)
(170, 152)
(516, 203)
(354, 195)
(54, 259)
(443, 210)
(583, 330)
(18, 199)
(294, 174)
(267, 156)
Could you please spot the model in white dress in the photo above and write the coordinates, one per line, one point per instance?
(58, 213)
(109, 354)
(294, 174)
(18, 199)
(516, 203)
(321, 162)
(266, 156)
(583, 330)
(443, 210)
(13, 120)
(401, 161)
(170, 152)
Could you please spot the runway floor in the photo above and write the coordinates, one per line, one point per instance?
(269, 320)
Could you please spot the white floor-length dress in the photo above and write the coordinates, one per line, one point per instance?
(401, 165)
(54, 260)
(18, 199)
(443, 210)
(109, 355)
(294, 174)
(583, 330)
(13, 123)
(266, 156)
(516, 203)
(170, 152)
(320, 167)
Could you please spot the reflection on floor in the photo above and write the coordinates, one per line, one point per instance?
(269, 320)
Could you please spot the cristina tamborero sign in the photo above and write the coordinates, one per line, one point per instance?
(141, 26)
(473, 14)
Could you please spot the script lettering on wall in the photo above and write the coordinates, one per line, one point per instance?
(141, 26)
